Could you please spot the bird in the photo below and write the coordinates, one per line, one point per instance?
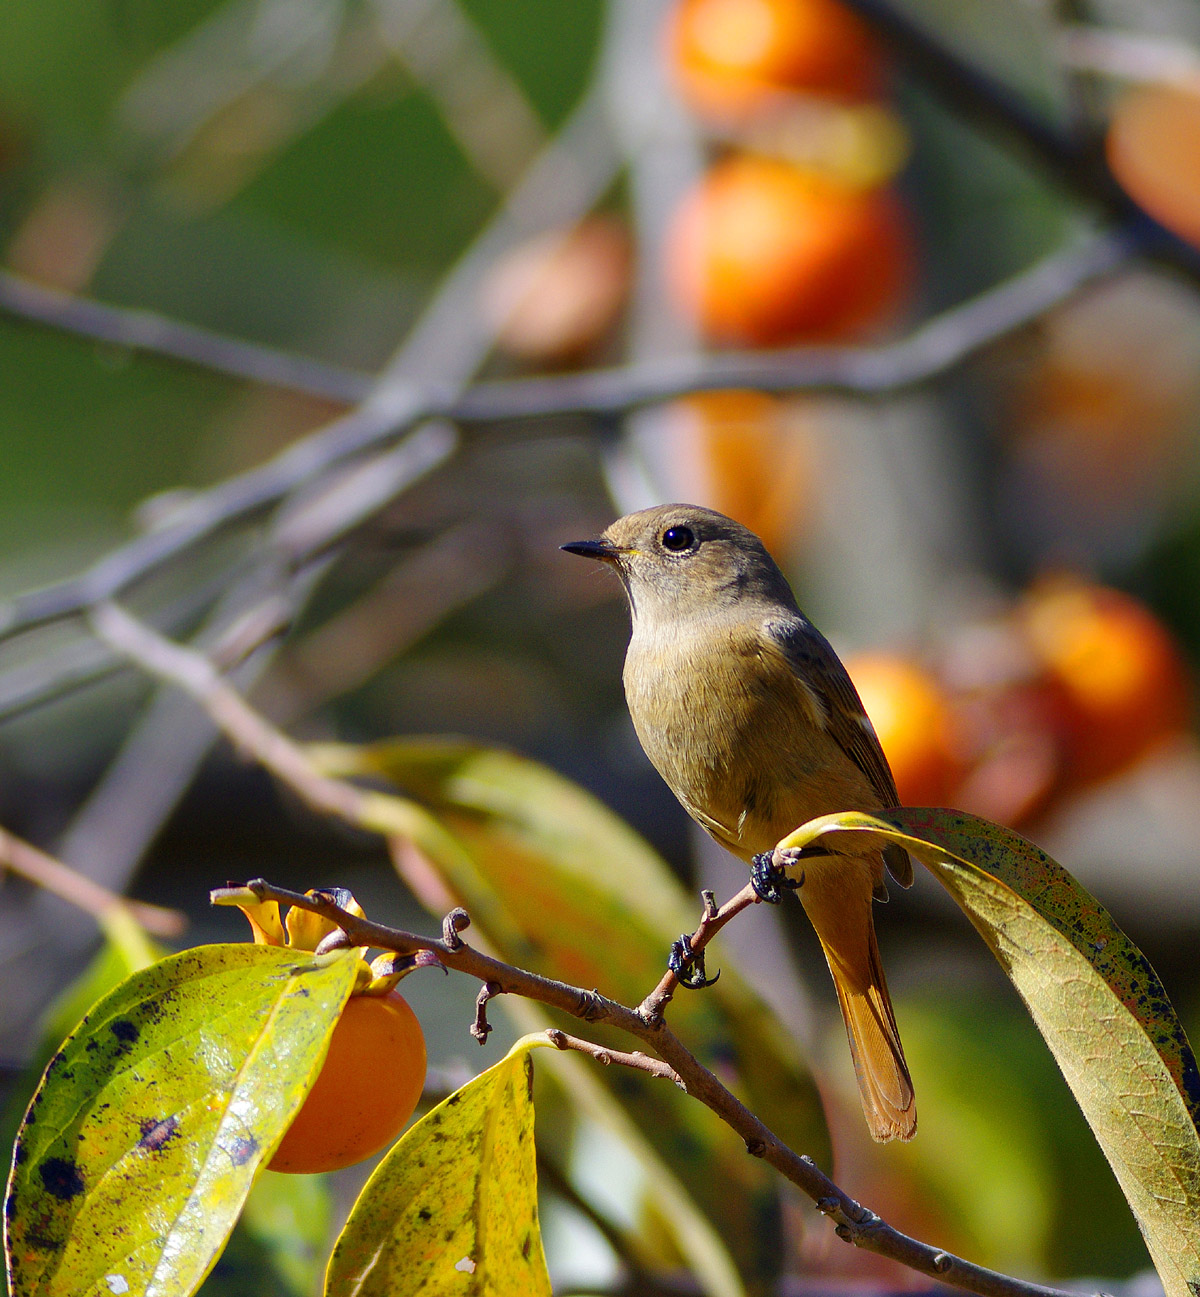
(748, 714)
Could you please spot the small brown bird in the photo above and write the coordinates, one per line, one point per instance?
(747, 713)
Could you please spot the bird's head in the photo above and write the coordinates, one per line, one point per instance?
(680, 561)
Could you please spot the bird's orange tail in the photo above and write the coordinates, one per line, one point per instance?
(884, 1084)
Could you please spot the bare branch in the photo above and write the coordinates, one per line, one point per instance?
(854, 1223)
(68, 884)
(638, 1061)
(928, 352)
(1131, 56)
(149, 331)
(712, 921)
(1072, 162)
(231, 501)
(247, 728)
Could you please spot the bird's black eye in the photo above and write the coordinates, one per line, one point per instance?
(677, 539)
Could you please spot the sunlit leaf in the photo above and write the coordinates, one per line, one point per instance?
(280, 1242)
(452, 1209)
(126, 949)
(1095, 999)
(142, 1141)
(560, 884)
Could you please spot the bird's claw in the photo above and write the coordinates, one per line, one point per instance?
(767, 876)
(688, 965)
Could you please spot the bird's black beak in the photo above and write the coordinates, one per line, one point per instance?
(601, 549)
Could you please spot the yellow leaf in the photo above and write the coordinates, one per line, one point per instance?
(143, 1140)
(453, 1207)
(1095, 999)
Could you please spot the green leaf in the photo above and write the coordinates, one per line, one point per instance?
(142, 1141)
(1095, 999)
(280, 1242)
(452, 1209)
(126, 949)
(561, 885)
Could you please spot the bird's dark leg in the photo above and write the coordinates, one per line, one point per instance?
(688, 965)
(767, 876)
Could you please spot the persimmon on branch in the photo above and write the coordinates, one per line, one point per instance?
(853, 1222)
(255, 736)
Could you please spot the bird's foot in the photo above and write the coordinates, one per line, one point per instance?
(767, 875)
(688, 965)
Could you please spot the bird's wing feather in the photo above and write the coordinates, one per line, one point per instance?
(812, 656)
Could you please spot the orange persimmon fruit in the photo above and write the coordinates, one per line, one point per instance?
(366, 1090)
(733, 58)
(1153, 147)
(914, 720)
(746, 454)
(762, 253)
(1124, 680)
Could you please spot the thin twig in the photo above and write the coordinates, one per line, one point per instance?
(247, 728)
(160, 335)
(1076, 164)
(712, 921)
(853, 1222)
(1130, 56)
(69, 885)
(928, 352)
(481, 1028)
(606, 1057)
(234, 500)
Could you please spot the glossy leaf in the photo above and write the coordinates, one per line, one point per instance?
(1095, 999)
(452, 1209)
(280, 1243)
(561, 885)
(126, 949)
(142, 1141)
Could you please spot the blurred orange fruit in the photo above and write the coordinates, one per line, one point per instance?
(1123, 679)
(365, 1092)
(915, 723)
(1153, 148)
(762, 253)
(552, 299)
(1105, 406)
(745, 454)
(732, 58)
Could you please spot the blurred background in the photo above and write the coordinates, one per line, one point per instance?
(911, 289)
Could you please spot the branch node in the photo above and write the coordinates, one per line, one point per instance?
(710, 903)
(943, 1262)
(828, 1206)
(454, 923)
(756, 1147)
(591, 1005)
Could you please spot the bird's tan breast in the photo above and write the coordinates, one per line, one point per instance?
(737, 735)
